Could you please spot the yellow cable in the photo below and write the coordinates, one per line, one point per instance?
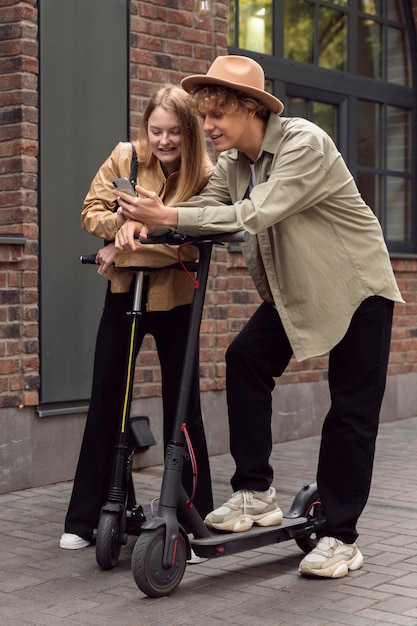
(129, 374)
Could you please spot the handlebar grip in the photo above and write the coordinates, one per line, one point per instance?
(88, 258)
(240, 235)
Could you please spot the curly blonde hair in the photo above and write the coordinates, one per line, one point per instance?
(227, 100)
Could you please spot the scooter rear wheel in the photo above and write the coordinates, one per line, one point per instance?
(152, 578)
(107, 543)
(314, 511)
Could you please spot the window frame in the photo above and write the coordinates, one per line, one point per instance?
(292, 78)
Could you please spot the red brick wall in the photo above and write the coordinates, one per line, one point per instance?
(19, 359)
(165, 46)
(404, 334)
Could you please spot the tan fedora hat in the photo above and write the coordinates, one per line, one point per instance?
(240, 73)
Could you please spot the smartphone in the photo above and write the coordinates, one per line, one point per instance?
(124, 184)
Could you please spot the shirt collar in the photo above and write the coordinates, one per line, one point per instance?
(273, 128)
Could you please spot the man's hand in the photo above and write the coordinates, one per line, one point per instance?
(146, 208)
(120, 219)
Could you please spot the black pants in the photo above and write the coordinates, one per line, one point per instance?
(93, 474)
(357, 376)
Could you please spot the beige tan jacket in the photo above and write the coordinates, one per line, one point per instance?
(316, 250)
(167, 288)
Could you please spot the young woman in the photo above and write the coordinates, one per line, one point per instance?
(172, 161)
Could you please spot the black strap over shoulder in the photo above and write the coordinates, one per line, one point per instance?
(133, 172)
(134, 166)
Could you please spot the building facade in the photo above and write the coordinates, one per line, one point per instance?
(47, 92)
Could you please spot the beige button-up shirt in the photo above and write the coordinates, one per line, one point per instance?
(316, 249)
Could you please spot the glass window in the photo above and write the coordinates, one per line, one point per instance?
(369, 53)
(326, 116)
(332, 40)
(298, 31)
(370, 186)
(321, 113)
(394, 10)
(398, 225)
(384, 165)
(394, 65)
(398, 143)
(251, 25)
(296, 107)
(399, 66)
(373, 7)
(303, 20)
(348, 66)
(368, 146)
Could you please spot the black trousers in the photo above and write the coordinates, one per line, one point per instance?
(357, 376)
(93, 474)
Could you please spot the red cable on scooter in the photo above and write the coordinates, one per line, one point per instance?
(193, 464)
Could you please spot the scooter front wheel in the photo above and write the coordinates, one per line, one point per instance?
(107, 543)
(152, 578)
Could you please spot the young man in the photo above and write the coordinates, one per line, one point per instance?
(318, 259)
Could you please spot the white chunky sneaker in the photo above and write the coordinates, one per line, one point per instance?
(195, 559)
(69, 541)
(331, 558)
(244, 509)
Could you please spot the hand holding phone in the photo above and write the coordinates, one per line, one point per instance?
(124, 184)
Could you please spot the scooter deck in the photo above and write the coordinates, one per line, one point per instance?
(222, 543)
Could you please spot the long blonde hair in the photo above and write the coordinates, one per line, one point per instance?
(195, 167)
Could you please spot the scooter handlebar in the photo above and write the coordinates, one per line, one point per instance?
(175, 238)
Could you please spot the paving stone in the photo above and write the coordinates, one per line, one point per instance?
(42, 585)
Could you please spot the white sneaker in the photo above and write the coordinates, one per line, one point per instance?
(331, 558)
(194, 559)
(244, 509)
(69, 541)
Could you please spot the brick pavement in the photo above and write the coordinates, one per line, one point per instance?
(44, 585)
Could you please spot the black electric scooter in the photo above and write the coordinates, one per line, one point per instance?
(163, 546)
(120, 516)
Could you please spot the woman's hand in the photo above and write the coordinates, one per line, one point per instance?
(146, 208)
(105, 257)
